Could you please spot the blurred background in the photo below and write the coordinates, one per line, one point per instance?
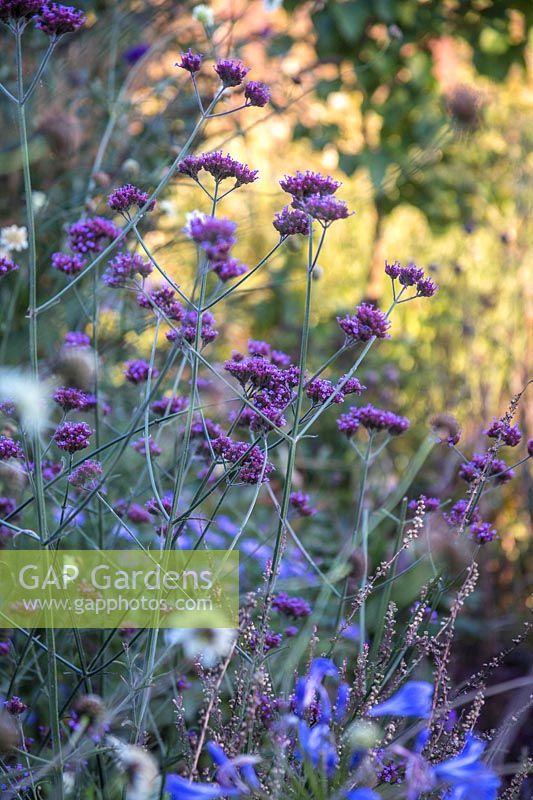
(423, 110)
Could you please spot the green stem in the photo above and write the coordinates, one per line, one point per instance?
(53, 699)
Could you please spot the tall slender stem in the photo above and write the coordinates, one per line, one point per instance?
(53, 699)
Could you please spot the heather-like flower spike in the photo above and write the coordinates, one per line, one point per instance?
(138, 371)
(56, 19)
(126, 197)
(69, 264)
(505, 433)
(9, 448)
(192, 62)
(412, 700)
(256, 94)
(19, 9)
(291, 221)
(91, 234)
(231, 71)
(469, 777)
(73, 436)
(367, 322)
(6, 266)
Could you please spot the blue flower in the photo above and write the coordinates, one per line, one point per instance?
(469, 777)
(412, 700)
(362, 794)
(235, 776)
(317, 744)
(181, 789)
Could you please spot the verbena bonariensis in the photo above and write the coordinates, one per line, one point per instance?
(374, 713)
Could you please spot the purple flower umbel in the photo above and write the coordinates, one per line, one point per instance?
(73, 436)
(304, 184)
(90, 235)
(9, 448)
(6, 266)
(125, 197)
(367, 322)
(56, 19)
(231, 71)
(19, 9)
(291, 221)
(67, 263)
(190, 61)
(138, 371)
(256, 94)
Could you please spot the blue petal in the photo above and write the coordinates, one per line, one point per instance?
(181, 789)
(412, 700)
(362, 794)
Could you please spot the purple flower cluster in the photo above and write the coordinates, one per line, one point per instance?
(126, 197)
(71, 399)
(169, 405)
(231, 71)
(91, 234)
(77, 339)
(411, 275)
(269, 386)
(256, 94)
(312, 194)
(19, 9)
(216, 237)
(6, 266)
(192, 62)
(138, 371)
(219, 166)
(480, 463)
(291, 221)
(530, 448)
(9, 448)
(480, 531)
(320, 390)
(510, 435)
(483, 532)
(373, 419)
(163, 298)
(69, 264)
(123, 267)
(430, 503)
(15, 706)
(139, 445)
(367, 323)
(87, 475)
(254, 467)
(73, 436)
(187, 332)
(303, 185)
(56, 19)
(301, 503)
(295, 607)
